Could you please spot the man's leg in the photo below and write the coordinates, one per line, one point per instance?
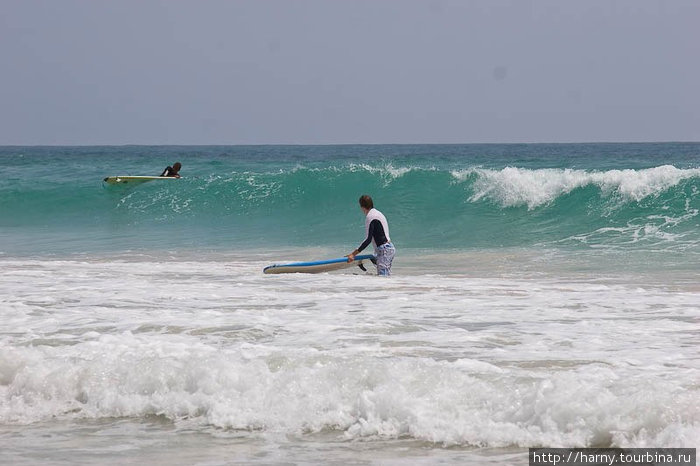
(385, 257)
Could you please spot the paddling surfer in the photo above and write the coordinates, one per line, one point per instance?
(377, 232)
(172, 171)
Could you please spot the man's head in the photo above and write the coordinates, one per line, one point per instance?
(366, 203)
(177, 166)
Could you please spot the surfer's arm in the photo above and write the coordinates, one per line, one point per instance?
(372, 227)
(370, 235)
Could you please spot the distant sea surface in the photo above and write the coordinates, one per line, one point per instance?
(543, 295)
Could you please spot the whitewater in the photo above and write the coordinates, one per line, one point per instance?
(543, 296)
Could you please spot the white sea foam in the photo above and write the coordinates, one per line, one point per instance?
(653, 228)
(452, 360)
(514, 186)
(384, 170)
(387, 172)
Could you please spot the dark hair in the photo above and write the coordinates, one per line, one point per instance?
(177, 165)
(366, 202)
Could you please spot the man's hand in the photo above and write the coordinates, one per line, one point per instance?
(351, 256)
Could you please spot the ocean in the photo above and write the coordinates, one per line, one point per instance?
(543, 295)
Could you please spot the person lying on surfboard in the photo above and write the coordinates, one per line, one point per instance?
(172, 171)
(377, 232)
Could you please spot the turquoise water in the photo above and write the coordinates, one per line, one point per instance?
(462, 197)
(542, 295)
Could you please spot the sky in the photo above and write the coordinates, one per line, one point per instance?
(83, 72)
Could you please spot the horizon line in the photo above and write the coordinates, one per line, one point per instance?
(348, 144)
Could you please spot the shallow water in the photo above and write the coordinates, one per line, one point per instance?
(139, 358)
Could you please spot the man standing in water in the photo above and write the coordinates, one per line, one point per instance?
(377, 232)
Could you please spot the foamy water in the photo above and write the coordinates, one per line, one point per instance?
(543, 295)
(175, 361)
(514, 186)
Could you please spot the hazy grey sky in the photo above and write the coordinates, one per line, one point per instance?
(317, 72)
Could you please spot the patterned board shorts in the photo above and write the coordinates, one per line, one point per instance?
(385, 256)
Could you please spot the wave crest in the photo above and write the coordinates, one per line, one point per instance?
(512, 186)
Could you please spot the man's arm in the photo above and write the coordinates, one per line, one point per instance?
(365, 243)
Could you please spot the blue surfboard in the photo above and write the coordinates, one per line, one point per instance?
(317, 266)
